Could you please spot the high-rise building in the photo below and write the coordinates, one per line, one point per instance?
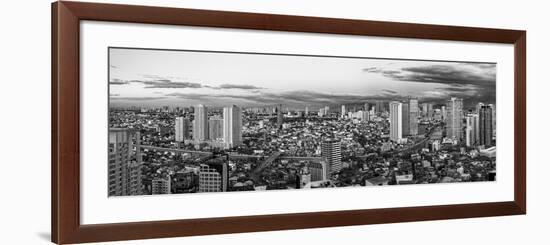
(396, 119)
(182, 129)
(124, 167)
(472, 130)
(280, 119)
(430, 112)
(363, 115)
(213, 176)
(319, 171)
(366, 107)
(215, 128)
(343, 111)
(200, 129)
(444, 113)
(405, 116)
(424, 109)
(232, 126)
(494, 117)
(306, 111)
(486, 125)
(380, 107)
(413, 117)
(327, 110)
(454, 118)
(161, 185)
(331, 150)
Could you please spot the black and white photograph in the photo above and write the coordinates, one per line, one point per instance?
(193, 121)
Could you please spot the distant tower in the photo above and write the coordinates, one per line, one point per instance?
(232, 126)
(454, 118)
(279, 117)
(181, 129)
(124, 176)
(200, 131)
(380, 106)
(307, 111)
(486, 125)
(413, 117)
(366, 107)
(343, 111)
(331, 150)
(396, 119)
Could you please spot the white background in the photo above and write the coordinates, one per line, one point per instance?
(25, 141)
(97, 208)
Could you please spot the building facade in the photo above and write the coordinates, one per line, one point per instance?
(319, 171)
(396, 120)
(182, 126)
(124, 169)
(215, 128)
(405, 116)
(161, 185)
(331, 150)
(454, 118)
(200, 129)
(486, 125)
(232, 126)
(213, 176)
(413, 117)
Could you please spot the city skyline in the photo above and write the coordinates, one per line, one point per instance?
(141, 77)
(226, 122)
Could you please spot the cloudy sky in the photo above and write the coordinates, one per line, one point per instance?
(185, 78)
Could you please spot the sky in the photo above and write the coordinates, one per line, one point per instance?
(144, 77)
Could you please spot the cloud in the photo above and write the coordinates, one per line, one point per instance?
(475, 81)
(166, 83)
(117, 81)
(238, 86)
(389, 91)
(117, 98)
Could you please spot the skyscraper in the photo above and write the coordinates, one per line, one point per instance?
(430, 112)
(213, 176)
(405, 116)
(343, 111)
(379, 107)
(124, 169)
(454, 118)
(279, 111)
(307, 111)
(331, 150)
(424, 109)
(366, 107)
(413, 111)
(396, 119)
(200, 129)
(486, 125)
(181, 129)
(472, 129)
(215, 128)
(232, 126)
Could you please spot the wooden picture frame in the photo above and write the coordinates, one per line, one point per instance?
(65, 175)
